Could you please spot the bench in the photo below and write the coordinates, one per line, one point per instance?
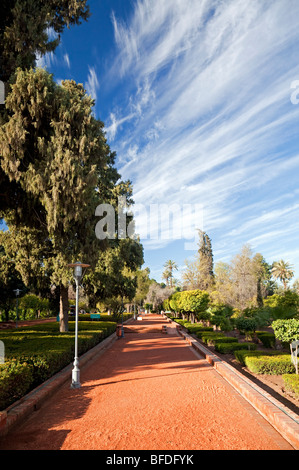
(95, 316)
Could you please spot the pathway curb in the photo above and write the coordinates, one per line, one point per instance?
(285, 421)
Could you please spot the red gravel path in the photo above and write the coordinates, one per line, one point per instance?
(148, 391)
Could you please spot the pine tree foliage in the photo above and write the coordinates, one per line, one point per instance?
(25, 27)
(29, 29)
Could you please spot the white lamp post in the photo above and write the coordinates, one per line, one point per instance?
(78, 274)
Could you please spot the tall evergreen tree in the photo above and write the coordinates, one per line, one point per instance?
(10, 280)
(206, 263)
(25, 34)
(55, 149)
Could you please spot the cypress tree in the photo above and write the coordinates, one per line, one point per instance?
(206, 263)
(54, 148)
(25, 34)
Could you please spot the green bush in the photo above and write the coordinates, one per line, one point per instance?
(246, 324)
(277, 364)
(193, 328)
(203, 331)
(286, 331)
(241, 355)
(291, 383)
(213, 340)
(226, 324)
(180, 321)
(15, 381)
(268, 339)
(209, 337)
(227, 348)
(226, 339)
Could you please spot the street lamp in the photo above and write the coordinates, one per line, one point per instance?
(17, 291)
(78, 274)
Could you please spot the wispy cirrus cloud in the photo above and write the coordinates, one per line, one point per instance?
(208, 109)
(92, 85)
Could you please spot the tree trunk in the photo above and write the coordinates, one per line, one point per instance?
(6, 311)
(63, 309)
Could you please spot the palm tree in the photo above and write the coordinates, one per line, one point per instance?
(170, 267)
(283, 271)
(166, 276)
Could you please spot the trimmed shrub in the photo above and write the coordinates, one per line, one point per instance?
(291, 383)
(203, 331)
(221, 339)
(246, 324)
(277, 364)
(226, 339)
(208, 338)
(268, 339)
(227, 348)
(241, 355)
(226, 324)
(15, 381)
(194, 328)
(180, 321)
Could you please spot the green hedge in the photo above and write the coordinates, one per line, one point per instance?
(291, 383)
(15, 381)
(103, 317)
(205, 331)
(214, 340)
(268, 339)
(180, 321)
(194, 328)
(277, 364)
(209, 337)
(34, 354)
(227, 348)
(241, 355)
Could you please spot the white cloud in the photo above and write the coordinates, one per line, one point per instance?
(92, 85)
(208, 107)
(46, 60)
(67, 60)
(115, 123)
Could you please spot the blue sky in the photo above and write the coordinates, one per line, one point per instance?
(200, 101)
